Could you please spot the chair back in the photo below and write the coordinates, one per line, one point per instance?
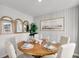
(64, 40)
(66, 50)
(10, 50)
(13, 41)
(44, 41)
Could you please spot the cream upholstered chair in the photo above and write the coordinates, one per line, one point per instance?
(13, 42)
(10, 50)
(18, 52)
(66, 51)
(64, 40)
(45, 40)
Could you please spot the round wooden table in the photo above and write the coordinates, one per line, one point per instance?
(37, 51)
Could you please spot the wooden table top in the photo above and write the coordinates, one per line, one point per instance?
(37, 50)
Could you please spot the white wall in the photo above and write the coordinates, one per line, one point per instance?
(70, 24)
(6, 11)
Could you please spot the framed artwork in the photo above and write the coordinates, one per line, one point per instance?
(6, 27)
(52, 24)
(6, 24)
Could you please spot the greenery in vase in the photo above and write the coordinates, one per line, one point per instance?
(33, 29)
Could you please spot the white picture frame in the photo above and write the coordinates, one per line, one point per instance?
(6, 27)
(6, 23)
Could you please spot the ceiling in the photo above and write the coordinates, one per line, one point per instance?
(34, 8)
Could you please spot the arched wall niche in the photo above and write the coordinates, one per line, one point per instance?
(10, 25)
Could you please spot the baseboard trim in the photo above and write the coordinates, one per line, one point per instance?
(6, 56)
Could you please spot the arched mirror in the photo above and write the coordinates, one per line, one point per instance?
(6, 24)
(19, 26)
(26, 26)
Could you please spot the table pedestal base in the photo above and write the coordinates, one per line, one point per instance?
(36, 56)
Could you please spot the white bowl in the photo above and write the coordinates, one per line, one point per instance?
(27, 46)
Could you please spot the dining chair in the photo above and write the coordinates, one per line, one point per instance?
(66, 50)
(13, 42)
(38, 38)
(64, 40)
(10, 50)
(52, 55)
(44, 41)
(19, 53)
(13, 52)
